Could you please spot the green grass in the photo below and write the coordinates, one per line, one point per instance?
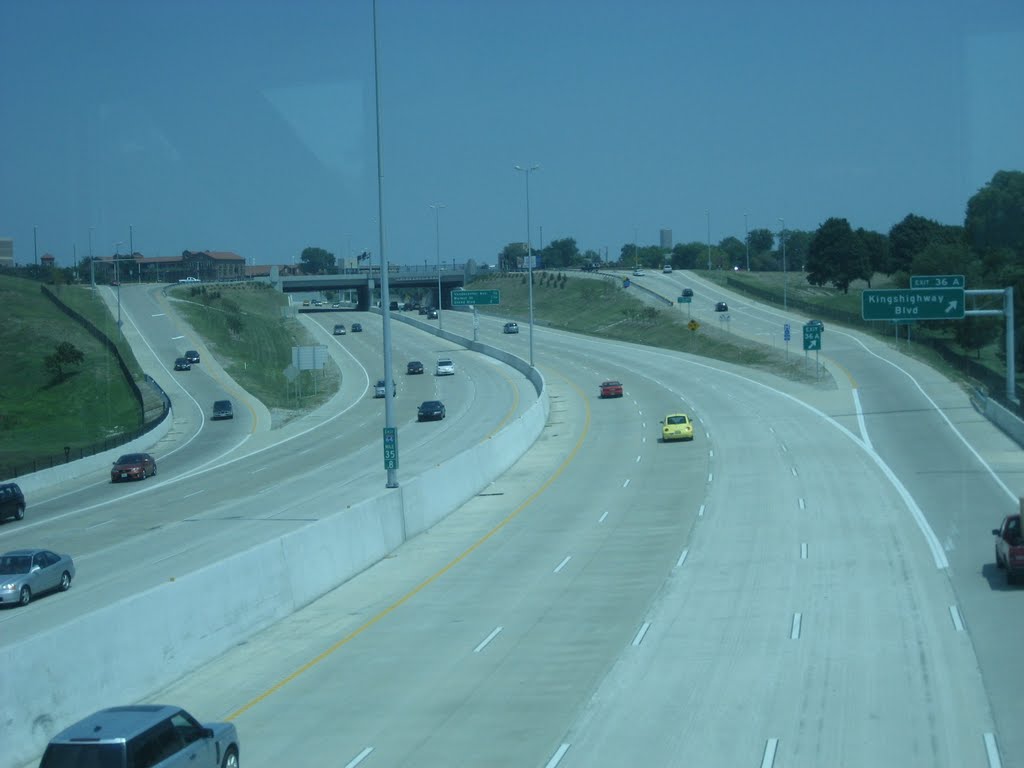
(245, 327)
(601, 307)
(39, 417)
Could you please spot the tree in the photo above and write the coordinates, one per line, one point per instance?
(760, 241)
(560, 253)
(836, 255)
(913, 235)
(686, 255)
(735, 251)
(798, 243)
(64, 354)
(995, 214)
(511, 257)
(876, 248)
(316, 261)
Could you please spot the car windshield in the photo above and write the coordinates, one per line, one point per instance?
(13, 564)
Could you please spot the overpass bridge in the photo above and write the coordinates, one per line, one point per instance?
(403, 281)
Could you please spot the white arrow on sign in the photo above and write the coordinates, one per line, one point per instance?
(951, 307)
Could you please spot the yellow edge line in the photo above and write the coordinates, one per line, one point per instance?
(430, 580)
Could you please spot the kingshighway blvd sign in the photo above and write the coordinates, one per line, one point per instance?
(470, 298)
(913, 304)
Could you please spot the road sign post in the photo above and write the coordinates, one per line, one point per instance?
(913, 304)
(812, 337)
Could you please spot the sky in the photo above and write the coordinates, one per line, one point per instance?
(252, 127)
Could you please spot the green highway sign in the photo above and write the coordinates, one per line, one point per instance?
(913, 304)
(937, 281)
(390, 448)
(469, 298)
(684, 299)
(812, 338)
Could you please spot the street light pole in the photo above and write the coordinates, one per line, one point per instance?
(117, 279)
(746, 239)
(785, 272)
(437, 235)
(708, 214)
(35, 247)
(131, 248)
(529, 251)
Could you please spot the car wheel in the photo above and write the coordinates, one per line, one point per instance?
(65, 582)
(26, 596)
(19, 512)
(230, 758)
(154, 470)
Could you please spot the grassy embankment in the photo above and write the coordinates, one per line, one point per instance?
(601, 307)
(40, 416)
(245, 327)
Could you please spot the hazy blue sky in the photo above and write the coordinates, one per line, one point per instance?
(249, 126)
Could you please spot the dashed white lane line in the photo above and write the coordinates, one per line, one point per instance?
(486, 640)
(640, 634)
(557, 757)
(682, 558)
(359, 758)
(768, 760)
(626, 484)
(564, 563)
(794, 633)
(958, 623)
(803, 550)
(700, 512)
(801, 504)
(601, 519)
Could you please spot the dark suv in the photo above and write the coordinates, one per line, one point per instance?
(12, 502)
(222, 410)
(142, 736)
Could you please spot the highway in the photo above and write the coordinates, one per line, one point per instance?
(807, 583)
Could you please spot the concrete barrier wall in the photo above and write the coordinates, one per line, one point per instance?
(999, 415)
(128, 650)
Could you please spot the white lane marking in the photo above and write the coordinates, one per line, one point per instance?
(97, 525)
(644, 424)
(769, 753)
(601, 519)
(564, 563)
(640, 635)
(793, 470)
(159, 314)
(177, 338)
(861, 425)
(711, 453)
(359, 758)
(772, 430)
(682, 558)
(993, 751)
(710, 476)
(637, 459)
(700, 512)
(305, 451)
(784, 448)
(801, 503)
(486, 640)
(794, 633)
(626, 483)
(194, 493)
(643, 439)
(958, 623)
(707, 435)
(557, 757)
(803, 550)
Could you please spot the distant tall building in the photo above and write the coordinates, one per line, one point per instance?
(666, 239)
(6, 252)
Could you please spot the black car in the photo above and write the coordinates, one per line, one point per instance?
(414, 367)
(422, 310)
(816, 324)
(192, 356)
(687, 291)
(432, 314)
(182, 364)
(222, 410)
(430, 410)
(511, 328)
(12, 502)
(721, 307)
(357, 327)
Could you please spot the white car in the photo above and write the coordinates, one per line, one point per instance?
(445, 367)
(637, 273)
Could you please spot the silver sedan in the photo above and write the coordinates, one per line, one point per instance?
(25, 573)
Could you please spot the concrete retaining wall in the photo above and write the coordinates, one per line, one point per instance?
(999, 415)
(126, 651)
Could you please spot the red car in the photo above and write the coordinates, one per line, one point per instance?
(611, 389)
(1010, 548)
(133, 466)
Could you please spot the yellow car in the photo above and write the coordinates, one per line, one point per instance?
(676, 426)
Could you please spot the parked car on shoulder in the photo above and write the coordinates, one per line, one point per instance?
(140, 736)
(611, 388)
(12, 502)
(414, 367)
(26, 573)
(430, 410)
(182, 364)
(222, 410)
(133, 466)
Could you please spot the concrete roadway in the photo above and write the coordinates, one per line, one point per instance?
(761, 596)
(223, 486)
